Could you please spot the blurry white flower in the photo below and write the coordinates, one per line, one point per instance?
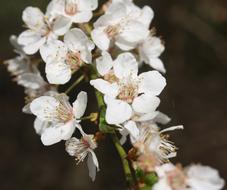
(76, 11)
(150, 138)
(203, 177)
(195, 177)
(41, 28)
(150, 50)
(61, 116)
(171, 178)
(81, 148)
(124, 24)
(64, 57)
(126, 92)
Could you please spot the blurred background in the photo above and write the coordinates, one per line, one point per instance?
(195, 32)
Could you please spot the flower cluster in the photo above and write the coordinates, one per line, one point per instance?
(107, 48)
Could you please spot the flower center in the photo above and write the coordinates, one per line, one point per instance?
(73, 59)
(64, 113)
(112, 30)
(70, 7)
(176, 179)
(128, 91)
(110, 77)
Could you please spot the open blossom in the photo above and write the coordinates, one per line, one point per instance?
(62, 58)
(82, 148)
(195, 177)
(150, 138)
(149, 51)
(75, 11)
(126, 92)
(62, 118)
(123, 24)
(41, 28)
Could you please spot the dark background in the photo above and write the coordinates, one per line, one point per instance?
(195, 32)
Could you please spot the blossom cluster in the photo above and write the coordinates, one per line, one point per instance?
(109, 46)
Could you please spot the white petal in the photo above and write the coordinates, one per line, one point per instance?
(76, 40)
(162, 184)
(100, 38)
(33, 18)
(162, 118)
(151, 82)
(134, 31)
(87, 5)
(118, 112)
(145, 103)
(81, 17)
(93, 165)
(79, 106)
(104, 63)
(110, 89)
(61, 25)
(125, 45)
(31, 41)
(146, 16)
(30, 80)
(58, 72)
(204, 177)
(40, 126)
(53, 50)
(44, 107)
(125, 65)
(157, 65)
(132, 129)
(55, 134)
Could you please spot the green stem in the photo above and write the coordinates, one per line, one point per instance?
(74, 84)
(125, 163)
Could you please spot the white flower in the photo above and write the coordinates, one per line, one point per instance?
(61, 116)
(76, 11)
(64, 57)
(124, 24)
(81, 148)
(150, 138)
(170, 178)
(41, 28)
(203, 177)
(150, 50)
(126, 92)
(195, 177)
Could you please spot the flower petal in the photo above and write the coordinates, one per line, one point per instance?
(55, 134)
(105, 87)
(151, 82)
(145, 103)
(87, 5)
(117, 111)
(147, 14)
(132, 129)
(58, 72)
(100, 38)
(53, 50)
(93, 165)
(31, 41)
(79, 106)
(44, 108)
(125, 65)
(104, 63)
(61, 25)
(134, 31)
(33, 18)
